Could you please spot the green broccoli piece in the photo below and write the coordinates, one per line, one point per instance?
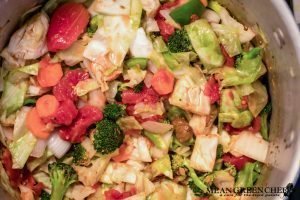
(196, 190)
(44, 195)
(61, 176)
(175, 112)
(79, 155)
(108, 136)
(181, 162)
(179, 42)
(114, 111)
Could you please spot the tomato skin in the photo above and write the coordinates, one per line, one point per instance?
(87, 115)
(229, 61)
(64, 89)
(212, 90)
(66, 113)
(238, 162)
(163, 82)
(67, 23)
(147, 95)
(254, 127)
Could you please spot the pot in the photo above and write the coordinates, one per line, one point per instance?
(279, 29)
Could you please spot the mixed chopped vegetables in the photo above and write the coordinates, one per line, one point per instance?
(132, 99)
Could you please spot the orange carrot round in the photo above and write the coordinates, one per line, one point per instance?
(35, 124)
(49, 73)
(47, 106)
(163, 82)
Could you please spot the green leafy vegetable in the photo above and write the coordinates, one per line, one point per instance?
(248, 175)
(248, 69)
(108, 137)
(95, 22)
(32, 69)
(162, 166)
(156, 139)
(258, 99)
(29, 102)
(21, 149)
(179, 42)
(175, 112)
(13, 97)
(134, 62)
(62, 176)
(138, 88)
(114, 111)
(34, 163)
(159, 44)
(205, 43)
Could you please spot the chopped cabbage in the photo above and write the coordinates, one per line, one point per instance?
(204, 152)
(135, 76)
(258, 99)
(110, 7)
(21, 149)
(141, 46)
(162, 166)
(19, 126)
(79, 192)
(205, 43)
(141, 151)
(5, 184)
(169, 190)
(129, 123)
(119, 173)
(85, 86)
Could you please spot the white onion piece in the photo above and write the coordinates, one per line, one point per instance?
(58, 146)
(152, 67)
(156, 127)
(148, 79)
(39, 148)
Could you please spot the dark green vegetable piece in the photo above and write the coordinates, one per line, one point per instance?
(94, 24)
(178, 162)
(175, 112)
(264, 121)
(138, 88)
(29, 102)
(196, 190)
(108, 136)
(248, 175)
(133, 62)
(114, 111)
(179, 42)
(61, 176)
(219, 151)
(79, 155)
(183, 14)
(45, 195)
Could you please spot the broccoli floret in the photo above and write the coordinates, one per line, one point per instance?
(79, 155)
(196, 190)
(114, 111)
(179, 42)
(108, 136)
(44, 195)
(61, 176)
(180, 162)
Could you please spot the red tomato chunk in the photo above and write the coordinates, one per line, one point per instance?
(238, 162)
(66, 113)
(113, 194)
(87, 116)
(147, 95)
(65, 88)
(67, 23)
(212, 90)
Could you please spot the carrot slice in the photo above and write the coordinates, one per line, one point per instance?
(49, 73)
(35, 124)
(163, 82)
(47, 106)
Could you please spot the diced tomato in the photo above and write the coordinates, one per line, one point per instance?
(163, 82)
(65, 88)
(113, 194)
(166, 30)
(147, 95)
(67, 23)
(66, 113)
(229, 61)
(238, 162)
(87, 116)
(212, 90)
(33, 185)
(14, 175)
(254, 127)
(124, 153)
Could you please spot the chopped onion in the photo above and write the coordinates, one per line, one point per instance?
(156, 127)
(152, 67)
(39, 148)
(58, 146)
